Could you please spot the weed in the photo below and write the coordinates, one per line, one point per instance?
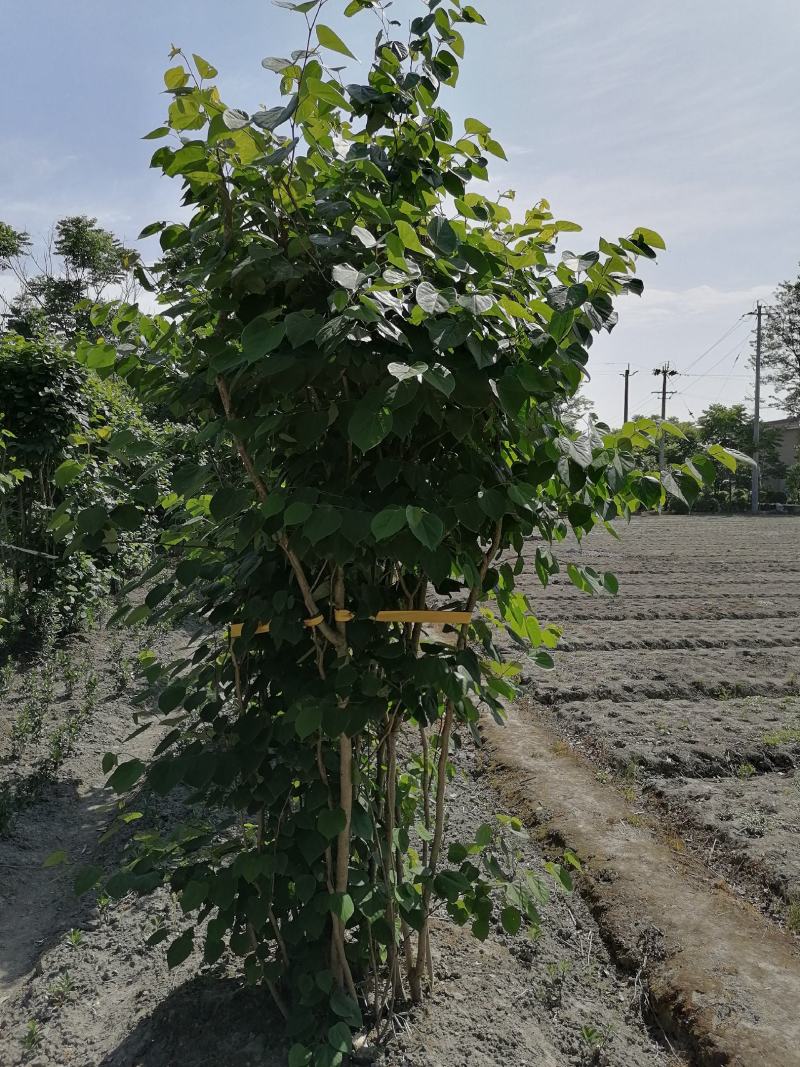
(753, 822)
(90, 685)
(745, 770)
(61, 989)
(637, 821)
(593, 1038)
(62, 741)
(785, 736)
(103, 904)
(677, 844)
(629, 793)
(122, 671)
(631, 772)
(33, 1036)
(74, 937)
(70, 673)
(6, 674)
(793, 916)
(27, 726)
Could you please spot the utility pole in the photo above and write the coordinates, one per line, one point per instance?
(626, 374)
(666, 372)
(754, 492)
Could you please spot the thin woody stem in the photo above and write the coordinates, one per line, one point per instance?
(423, 948)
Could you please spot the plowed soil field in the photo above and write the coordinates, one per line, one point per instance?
(685, 688)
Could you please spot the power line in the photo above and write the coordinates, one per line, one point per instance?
(718, 341)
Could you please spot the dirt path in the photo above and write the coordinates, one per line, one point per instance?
(721, 976)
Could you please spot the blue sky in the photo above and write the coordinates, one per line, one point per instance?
(680, 116)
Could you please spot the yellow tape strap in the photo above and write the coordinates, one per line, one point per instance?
(263, 628)
(440, 618)
(436, 618)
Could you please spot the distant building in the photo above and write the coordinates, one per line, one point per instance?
(788, 446)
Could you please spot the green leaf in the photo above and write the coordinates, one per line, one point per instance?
(228, 501)
(309, 719)
(235, 119)
(180, 949)
(369, 425)
(650, 237)
(331, 822)
(175, 77)
(610, 583)
(476, 126)
(364, 236)
(322, 523)
(328, 39)
(86, 879)
(67, 472)
(427, 528)
(388, 522)
(261, 336)
(341, 904)
(91, 520)
(127, 517)
(55, 859)
(346, 1008)
(302, 327)
(126, 775)
(299, 1056)
(204, 68)
(276, 64)
(348, 277)
(193, 895)
(443, 235)
(511, 920)
(100, 356)
(440, 378)
(340, 1039)
(432, 301)
(297, 513)
(408, 236)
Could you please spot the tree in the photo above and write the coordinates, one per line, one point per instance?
(781, 348)
(576, 410)
(732, 427)
(793, 483)
(386, 354)
(80, 263)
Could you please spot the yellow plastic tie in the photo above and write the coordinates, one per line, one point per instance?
(434, 618)
(263, 628)
(437, 618)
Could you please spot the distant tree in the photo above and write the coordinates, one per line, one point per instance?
(793, 482)
(732, 427)
(80, 262)
(781, 351)
(576, 410)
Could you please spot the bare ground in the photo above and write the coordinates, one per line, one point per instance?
(665, 747)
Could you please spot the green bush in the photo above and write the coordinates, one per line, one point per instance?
(60, 418)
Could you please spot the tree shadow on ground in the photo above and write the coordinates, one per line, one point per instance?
(206, 1022)
(37, 905)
